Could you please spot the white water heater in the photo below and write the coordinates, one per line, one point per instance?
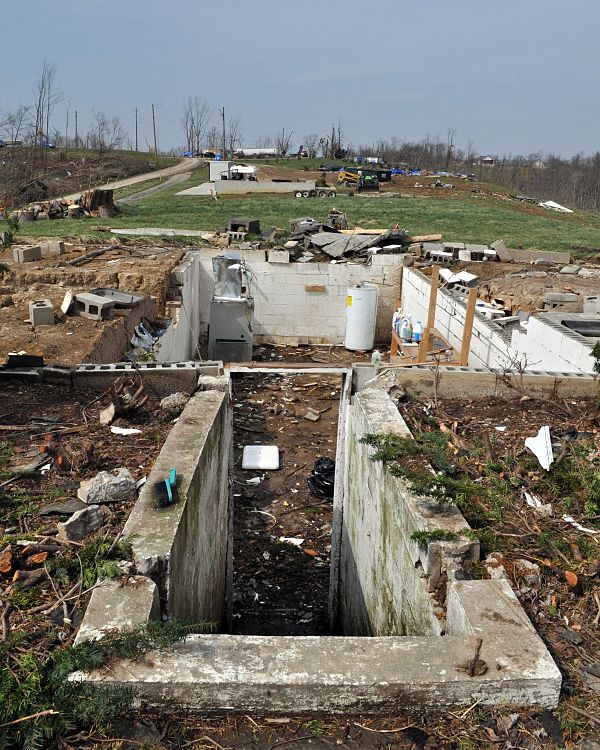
(361, 317)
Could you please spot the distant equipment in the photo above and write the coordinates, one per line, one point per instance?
(230, 336)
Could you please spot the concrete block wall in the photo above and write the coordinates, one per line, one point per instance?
(548, 345)
(285, 312)
(489, 347)
(388, 585)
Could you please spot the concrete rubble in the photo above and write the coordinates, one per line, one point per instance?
(108, 487)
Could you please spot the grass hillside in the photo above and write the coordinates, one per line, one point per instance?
(480, 216)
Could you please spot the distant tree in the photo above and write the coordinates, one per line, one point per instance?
(46, 98)
(265, 141)
(106, 132)
(311, 143)
(283, 141)
(234, 134)
(213, 137)
(194, 121)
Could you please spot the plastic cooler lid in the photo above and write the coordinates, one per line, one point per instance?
(264, 457)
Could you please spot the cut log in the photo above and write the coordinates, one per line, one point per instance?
(6, 561)
(28, 578)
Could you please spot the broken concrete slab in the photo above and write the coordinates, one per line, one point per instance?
(83, 523)
(174, 403)
(108, 487)
(65, 507)
(119, 605)
(571, 269)
(503, 253)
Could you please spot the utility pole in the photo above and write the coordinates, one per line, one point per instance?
(224, 150)
(223, 119)
(67, 129)
(136, 130)
(154, 128)
(76, 135)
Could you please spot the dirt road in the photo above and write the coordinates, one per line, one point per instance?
(184, 170)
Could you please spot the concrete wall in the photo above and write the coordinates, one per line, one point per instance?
(488, 347)
(549, 345)
(286, 312)
(183, 548)
(456, 382)
(240, 187)
(117, 332)
(389, 585)
(179, 343)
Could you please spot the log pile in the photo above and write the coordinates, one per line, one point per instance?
(96, 203)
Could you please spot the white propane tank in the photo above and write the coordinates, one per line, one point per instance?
(361, 316)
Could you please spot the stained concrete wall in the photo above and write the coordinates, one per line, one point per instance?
(183, 548)
(489, 346)
(388, 585)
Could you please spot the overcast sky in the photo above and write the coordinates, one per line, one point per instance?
(516, 76)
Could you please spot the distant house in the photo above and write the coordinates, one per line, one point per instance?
(538, 164)
(487, 161)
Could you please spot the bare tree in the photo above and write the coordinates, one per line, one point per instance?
(194, 121)
(283, 142)
(46, 98)
(106, 132)
(212, 138)
(14, 123)
(311, 143)
(265, 141)
(234, 135)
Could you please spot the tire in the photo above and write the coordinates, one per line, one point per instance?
(312, 194)
(322, 193)
(305, 193)
(331, 194)
(298, 194)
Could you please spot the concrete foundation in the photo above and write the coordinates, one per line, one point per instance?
(426, 623)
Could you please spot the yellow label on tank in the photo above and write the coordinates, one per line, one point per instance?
(349, 300)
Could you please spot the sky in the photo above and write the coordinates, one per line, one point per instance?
(513, 77)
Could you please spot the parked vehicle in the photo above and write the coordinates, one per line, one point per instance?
(318, 192)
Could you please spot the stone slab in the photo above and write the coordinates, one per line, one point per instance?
(279, 256)
(52, 247)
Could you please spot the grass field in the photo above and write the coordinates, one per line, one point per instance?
(458, 219)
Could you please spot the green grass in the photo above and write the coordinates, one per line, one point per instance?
(456, 218)
(124, 192)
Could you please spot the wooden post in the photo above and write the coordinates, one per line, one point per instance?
(468, 329)
(425, 344)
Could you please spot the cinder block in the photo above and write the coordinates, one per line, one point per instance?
(27, 254)
(41, 312)
(52, 247)
(93, 306)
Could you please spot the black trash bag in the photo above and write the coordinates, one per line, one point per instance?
(322, 479)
